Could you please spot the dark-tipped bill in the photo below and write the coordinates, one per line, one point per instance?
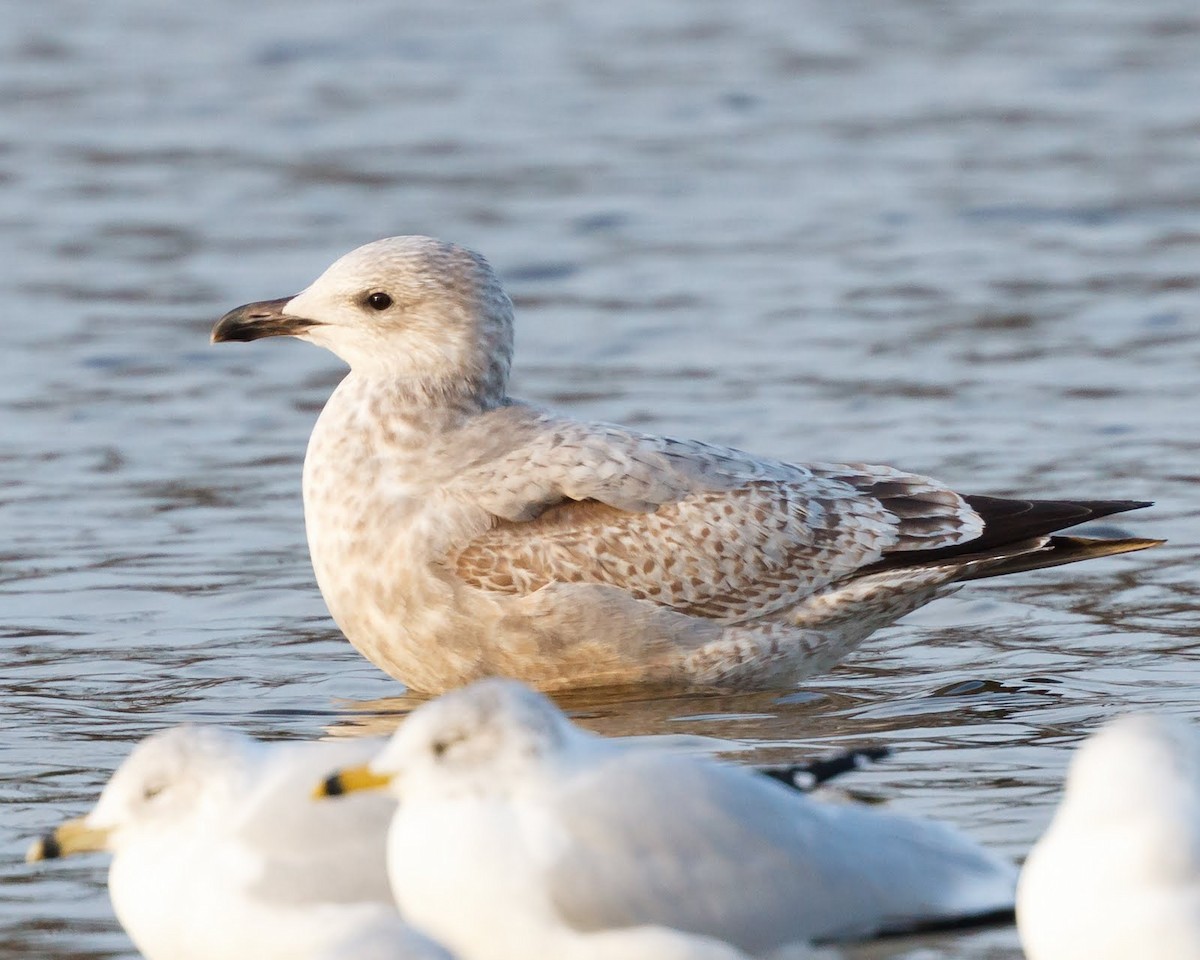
(74, 836)
(253, 321)
(350, 780)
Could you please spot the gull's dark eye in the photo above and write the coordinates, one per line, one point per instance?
(152, 790)
(440, 746)
(379, 301)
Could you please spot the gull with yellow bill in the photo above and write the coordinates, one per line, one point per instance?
(518, 835)
(218, 854)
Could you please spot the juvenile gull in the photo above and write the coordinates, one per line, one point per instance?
(219, 854)
(1117, 873)
(519, 835)
(456, 532)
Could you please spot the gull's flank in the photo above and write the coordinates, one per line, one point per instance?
(458, 533)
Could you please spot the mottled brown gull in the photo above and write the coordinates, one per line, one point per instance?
(457, 533)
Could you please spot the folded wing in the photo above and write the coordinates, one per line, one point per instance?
(726, 853)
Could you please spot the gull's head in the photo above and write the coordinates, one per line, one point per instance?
(1142, 769)
(481, 739)
(170, 781)
(409, 309)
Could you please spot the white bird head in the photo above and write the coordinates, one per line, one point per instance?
(470, 741)
(427, 315)
(1139, 767)
(170, 778)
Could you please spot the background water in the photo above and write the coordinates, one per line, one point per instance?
(958, 237)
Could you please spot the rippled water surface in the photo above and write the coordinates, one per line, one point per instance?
(962, 237)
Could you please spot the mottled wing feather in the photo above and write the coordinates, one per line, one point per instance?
(726, 556)
(705, 530)
(927, 512)
(568, 460)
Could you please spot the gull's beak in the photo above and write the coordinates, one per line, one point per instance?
(350, 780)
(253, 321)
(74, 836)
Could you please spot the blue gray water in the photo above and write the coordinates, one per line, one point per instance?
(962, 237)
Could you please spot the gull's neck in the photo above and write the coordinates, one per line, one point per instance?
(424, 406)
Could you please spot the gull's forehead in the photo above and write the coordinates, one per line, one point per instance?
(399, 259)
(1129, 738)
(499, 701)
(1136, 755)
(503, 708)
(183, 750)
(188, 761)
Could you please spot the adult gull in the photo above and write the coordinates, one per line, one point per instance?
(458, 533)
(219, 854)
(518, 834)
(1117, 872)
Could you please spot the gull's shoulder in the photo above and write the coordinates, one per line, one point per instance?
(525, 459)
(525, 429)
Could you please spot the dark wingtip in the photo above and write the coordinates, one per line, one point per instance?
(807, 776)
(998, 917)
(1060, 551)
(1012, 526)
(1016, 519)
(1106, 508)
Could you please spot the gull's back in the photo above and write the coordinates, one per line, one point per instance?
(718, 850)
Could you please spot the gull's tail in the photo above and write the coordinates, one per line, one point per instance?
(1018, 535)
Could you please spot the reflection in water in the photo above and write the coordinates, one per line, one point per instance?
(961, 239)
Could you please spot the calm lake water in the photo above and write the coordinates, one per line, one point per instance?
(963, 238)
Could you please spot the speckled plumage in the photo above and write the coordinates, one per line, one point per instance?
(456, 532)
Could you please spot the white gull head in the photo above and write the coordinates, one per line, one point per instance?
(412, 310)
(475, 739)
(1117, 874)
(181, 776)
